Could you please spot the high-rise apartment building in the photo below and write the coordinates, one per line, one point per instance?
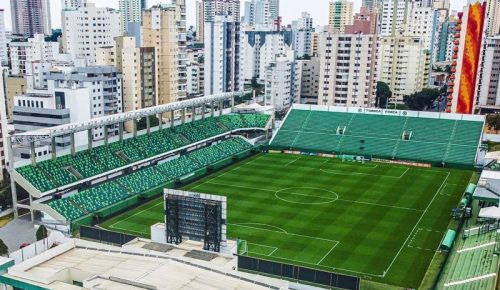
(137, 66)
(423, 22)
(87, 28)
(74, 94)
(309, 88)
(200, 21)
(274, 9)
(393, 16)
(488, 95)
(340, 15)
(261, 13)
(403, 63)
(260, 49)
(369, 4)
(493, 12)
(282, 85)
(229, 8)
(223, 56)
(72, 4)
(3, 40)
(164, 27)
(30, 17)
(131, 11)
(302, 30)
(348, 72)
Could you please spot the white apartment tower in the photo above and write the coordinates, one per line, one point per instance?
(488, 94)
(282, 82)
(260, 49)
(87, 28)
(493, 14)
(212, 8)
(72, 4)
(258, 13)
(393, 16)
(223, 56)
(348, 70)
(302, 30)
(131, 11)
(403, 63)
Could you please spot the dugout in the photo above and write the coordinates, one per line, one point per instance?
(470, 189)
(448, 240)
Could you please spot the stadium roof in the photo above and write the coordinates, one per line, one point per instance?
(46, 133)
(100, 266)
(491, 212)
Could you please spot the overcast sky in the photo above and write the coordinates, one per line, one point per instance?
(290, 9)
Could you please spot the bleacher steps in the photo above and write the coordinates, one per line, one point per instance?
(448, 148)
(306, 121)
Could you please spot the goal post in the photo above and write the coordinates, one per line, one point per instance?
(242, 247)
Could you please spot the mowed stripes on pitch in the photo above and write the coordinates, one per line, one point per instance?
(327, 214)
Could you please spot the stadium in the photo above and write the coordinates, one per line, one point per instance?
(361, 194)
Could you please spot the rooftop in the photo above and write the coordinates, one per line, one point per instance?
(99, 266)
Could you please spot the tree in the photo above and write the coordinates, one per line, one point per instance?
(493, 121)
(383, 94)
(421, 100)
(41, 233)
(4, 250)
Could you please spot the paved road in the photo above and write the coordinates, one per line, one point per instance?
(17, 232)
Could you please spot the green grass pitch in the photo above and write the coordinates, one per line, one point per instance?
(376, 221)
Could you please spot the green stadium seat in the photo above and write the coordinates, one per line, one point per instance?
(432, 140)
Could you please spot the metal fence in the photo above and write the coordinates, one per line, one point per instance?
(105, 236)
(287, 271)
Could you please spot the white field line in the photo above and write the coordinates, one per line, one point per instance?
(291, 162)
(381, 205)
(137, 213)
(339, 199)
(328, 253)
(308, 263)
(274, 249)
(128, 230)
(338, 172)
(285, 233)
(416, 224)
(229, 171)
(476, 247)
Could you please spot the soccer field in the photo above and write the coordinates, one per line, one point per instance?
(376, 221)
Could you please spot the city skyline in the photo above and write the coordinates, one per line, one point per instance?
(289, 12)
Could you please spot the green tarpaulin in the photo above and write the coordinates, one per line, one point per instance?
(470, 188)
(448, 240)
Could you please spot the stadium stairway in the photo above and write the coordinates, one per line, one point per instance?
(67, 169)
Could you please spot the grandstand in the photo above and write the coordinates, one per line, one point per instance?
(473, 264)
(64, 170)
(110, 192)
(391, 134)
(105, 177)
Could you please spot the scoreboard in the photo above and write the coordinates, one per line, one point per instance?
(195, 216)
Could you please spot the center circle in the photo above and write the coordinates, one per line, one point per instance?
(306, 195)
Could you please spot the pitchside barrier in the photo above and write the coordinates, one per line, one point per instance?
(105, 236)
(287, 271)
